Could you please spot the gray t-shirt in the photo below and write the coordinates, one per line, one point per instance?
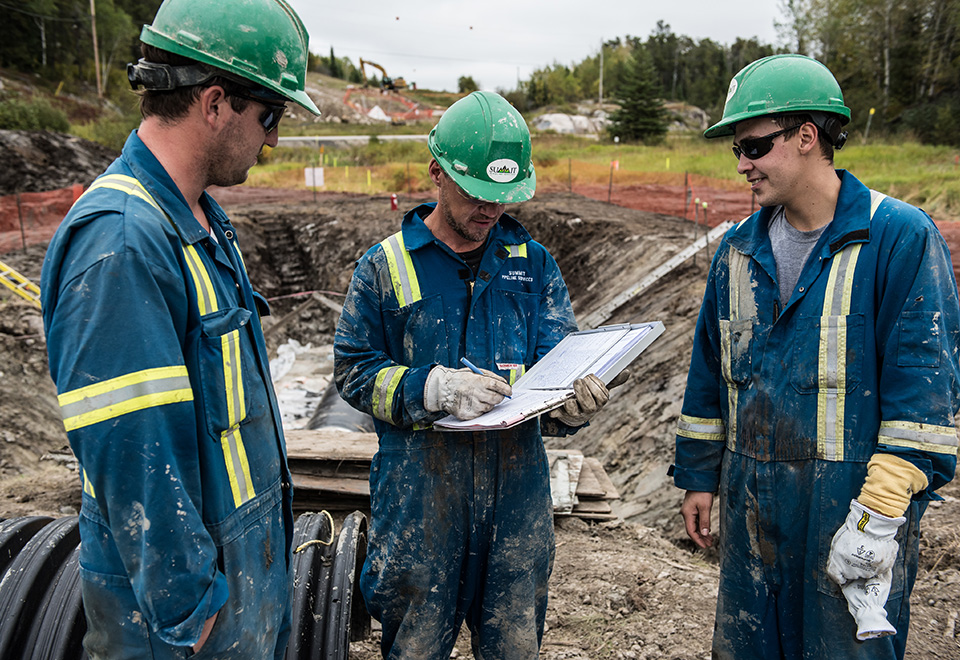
(791, 248)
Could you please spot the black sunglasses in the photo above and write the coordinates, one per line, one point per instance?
(270, 117)
(759, 147)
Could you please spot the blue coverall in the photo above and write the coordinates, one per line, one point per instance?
(155, 346)
(462, 523)
(783, 409)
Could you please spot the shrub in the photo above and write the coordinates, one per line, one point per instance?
(31, 115)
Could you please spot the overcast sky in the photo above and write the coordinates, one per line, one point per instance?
(435, 42)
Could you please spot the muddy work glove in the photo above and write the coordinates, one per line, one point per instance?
(865, 600)
(462, 393)
(591, 396)
(864, 546)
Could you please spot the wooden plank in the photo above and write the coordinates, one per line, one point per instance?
(592, 506)
(605, 482)
(330, 445)
(323, 468)
(589, 486)
(355, 487)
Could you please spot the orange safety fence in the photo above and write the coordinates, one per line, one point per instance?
(32, 218)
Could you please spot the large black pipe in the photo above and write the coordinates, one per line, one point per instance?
(41, 613)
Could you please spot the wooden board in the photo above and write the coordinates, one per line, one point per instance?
(589, 485)
(592, 506)
(355, 487)
(605, 482)
(331, 445)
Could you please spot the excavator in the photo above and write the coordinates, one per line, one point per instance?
(386, 82)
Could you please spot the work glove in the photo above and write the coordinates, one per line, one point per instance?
(864, 546)
(591, 396)
(462, 393)
(865, 600)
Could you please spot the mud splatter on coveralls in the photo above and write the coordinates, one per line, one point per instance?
(156, 349)
(783, 409)
(462, 524)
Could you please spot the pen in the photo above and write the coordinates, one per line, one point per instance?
(472, 367)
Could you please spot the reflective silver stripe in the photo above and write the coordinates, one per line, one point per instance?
(738, 271)
(238, 468)
(385, 387)
(832, 354)
(516, 251)
(924, 437)
(402, 274)
(232, 380)
(115, 397)
(125, 394)
(699, 428)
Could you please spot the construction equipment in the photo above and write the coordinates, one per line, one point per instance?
(19, 284)
(386, 82)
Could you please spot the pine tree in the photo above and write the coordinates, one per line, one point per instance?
(641, 116)
(336, 71)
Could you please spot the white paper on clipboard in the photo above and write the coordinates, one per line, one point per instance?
(604, 351)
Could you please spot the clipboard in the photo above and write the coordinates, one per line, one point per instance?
(603, 351)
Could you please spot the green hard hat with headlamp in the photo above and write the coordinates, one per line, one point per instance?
(483, 144)
(782, 84)
(260, 41)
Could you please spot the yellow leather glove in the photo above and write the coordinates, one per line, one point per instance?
(891, 482)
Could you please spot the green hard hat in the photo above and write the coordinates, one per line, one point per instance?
(778, 84)
(483, 144)
(262, 41)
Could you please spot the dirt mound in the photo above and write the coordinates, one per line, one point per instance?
(35, 161)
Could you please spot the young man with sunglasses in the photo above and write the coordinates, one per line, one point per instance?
(822, 389)
(154, 338)
(462, 523)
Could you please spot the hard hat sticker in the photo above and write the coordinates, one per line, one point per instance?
(732, 89)
(503, 170)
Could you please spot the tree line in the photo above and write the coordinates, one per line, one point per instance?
(900, 59)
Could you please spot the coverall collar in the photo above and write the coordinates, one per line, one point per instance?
(151, 174)
(416, 234)
(851, 223)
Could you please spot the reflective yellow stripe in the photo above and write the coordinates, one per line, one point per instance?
(118, 396)
(238, 468)
(832, 350)
(239, 255)
(88, 485)
(832, 354)
(231, 440)
(923, 437)
(125, 184)
(517, 373)
(519, 251)
(406, 286)
(206, 295)
(384, 389)
(701, 428)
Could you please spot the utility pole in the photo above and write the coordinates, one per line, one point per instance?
(96, 50)
(601, 72)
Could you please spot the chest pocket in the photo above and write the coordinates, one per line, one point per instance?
(828, 353)
(736, 338)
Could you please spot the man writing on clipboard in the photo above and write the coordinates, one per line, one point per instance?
(462, 523)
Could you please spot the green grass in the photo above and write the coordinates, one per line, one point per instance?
(926, 176)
